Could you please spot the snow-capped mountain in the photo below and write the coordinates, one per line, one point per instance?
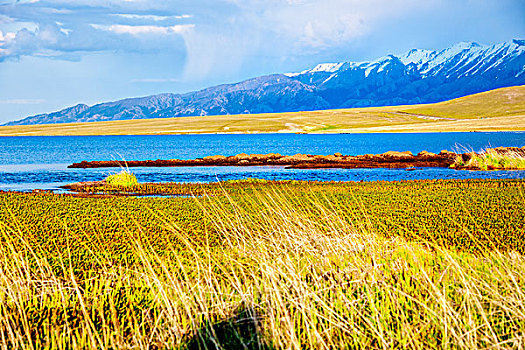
(417, 76)
(465, 58)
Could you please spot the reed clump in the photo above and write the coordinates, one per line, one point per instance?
(492, 159)
(289, 272)
(122, 179)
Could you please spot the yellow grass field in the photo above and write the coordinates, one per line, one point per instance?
(497, 110)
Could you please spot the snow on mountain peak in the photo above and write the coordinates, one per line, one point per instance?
(459, 48)
(463, 58)
(518, 42)
(517, 46)
(465, 45)
(417, 56)
(322, 67)
(327, 67)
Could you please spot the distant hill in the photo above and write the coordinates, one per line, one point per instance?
(496, 110)
(418, 76)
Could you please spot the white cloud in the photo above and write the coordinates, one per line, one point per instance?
(27, 1)
(155, 18)
(68, 30)
(139, 30)
(322, 24)
(224, 37)
(5, 19)
(7, 36)
(5, 40)
(58, 11)
(65, 31)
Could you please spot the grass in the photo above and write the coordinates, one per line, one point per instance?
(248, 181)
(489, 104)
(496, 110)
(122, 179)
(434, 210)
(490, 159)
(262, 266)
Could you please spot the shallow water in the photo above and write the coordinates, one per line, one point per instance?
(28, 163)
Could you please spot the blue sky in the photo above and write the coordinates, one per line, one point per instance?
(56, 53)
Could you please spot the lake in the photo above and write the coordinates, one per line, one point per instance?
(40, 162)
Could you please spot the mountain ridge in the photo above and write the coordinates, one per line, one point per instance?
(417, 76)
(501, 109)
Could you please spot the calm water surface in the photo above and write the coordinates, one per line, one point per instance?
(28, 163)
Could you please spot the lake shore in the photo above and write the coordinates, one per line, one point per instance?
(288, 123)
(29, 163)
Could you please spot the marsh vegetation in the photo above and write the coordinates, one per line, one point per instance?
(124, 178)
(267, 265)
(511, 158)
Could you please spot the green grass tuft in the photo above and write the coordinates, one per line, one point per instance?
(124, 178)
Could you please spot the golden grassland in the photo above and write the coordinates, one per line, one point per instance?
(496, 110)
(264, 265)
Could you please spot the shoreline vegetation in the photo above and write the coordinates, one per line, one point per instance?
(267, 265)
(499, 158)
(496, 110)
(124, 178)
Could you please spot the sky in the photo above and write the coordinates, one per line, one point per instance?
(58, 53)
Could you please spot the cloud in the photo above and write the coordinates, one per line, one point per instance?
(314, 25)
(140, 30)
(277, 31)
(155, 18)
(4, 38)
(69, 30)
(223, 37)
(214, 35)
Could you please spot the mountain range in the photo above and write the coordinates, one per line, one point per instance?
(418, 76)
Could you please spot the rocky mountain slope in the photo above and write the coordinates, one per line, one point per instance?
(418, 76)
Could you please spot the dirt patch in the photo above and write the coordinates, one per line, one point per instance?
(76, 186)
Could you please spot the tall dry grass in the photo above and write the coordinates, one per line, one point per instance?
(290, 275)
(492, 159)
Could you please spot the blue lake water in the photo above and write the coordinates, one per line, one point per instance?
(28, 163)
